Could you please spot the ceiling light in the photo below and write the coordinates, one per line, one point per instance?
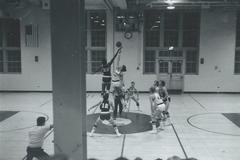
(170, 7)
(170, 48)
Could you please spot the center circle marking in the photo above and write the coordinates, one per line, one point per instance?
(128, 123)
(119, 122)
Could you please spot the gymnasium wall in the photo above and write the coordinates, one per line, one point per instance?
(35, 76)
(217, 47)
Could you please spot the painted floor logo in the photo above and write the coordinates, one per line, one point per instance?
(128, 123)
(119, 122)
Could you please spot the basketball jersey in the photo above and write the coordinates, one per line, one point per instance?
(157, 99)
(157, 89)
(131, 91)
(106, 70)
(105, 107)
(116, 76)
(162, 92)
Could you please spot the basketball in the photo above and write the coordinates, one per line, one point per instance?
(119, 44)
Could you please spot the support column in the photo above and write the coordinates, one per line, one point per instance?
(69, 77)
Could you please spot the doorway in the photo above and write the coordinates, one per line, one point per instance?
(170, 68)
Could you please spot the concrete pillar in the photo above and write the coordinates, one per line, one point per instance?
(69, 77)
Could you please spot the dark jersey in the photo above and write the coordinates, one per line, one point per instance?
(105, 107)
(106, 70)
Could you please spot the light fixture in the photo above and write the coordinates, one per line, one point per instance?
(170, 4)
(170, 7)
(170, 48)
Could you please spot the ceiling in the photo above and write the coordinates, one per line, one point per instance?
(133, 4)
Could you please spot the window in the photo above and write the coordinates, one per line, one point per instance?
(96, 39)
(237, 52)
(237, 62)
(191, 62)
(171, 29)
(98, 29)
(152, 28)
(238, 30)
(10, 54)
(163, 67)
(180, 29)
(96, 60)
(127, 20)
(149, 62)
(176, 67)
(191, 23)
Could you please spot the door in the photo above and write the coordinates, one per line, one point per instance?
(171, 71)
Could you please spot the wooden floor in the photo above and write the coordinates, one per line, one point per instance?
(202, 127)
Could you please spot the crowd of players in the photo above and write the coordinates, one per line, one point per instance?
(159, 99)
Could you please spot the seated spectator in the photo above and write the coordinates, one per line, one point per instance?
(121, 158)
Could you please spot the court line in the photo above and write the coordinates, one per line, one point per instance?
(45, 103)
(179, 141)
(17, 129)
(202, 129)
(123, 145)
(202, 106)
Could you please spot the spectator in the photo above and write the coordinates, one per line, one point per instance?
(36, 139)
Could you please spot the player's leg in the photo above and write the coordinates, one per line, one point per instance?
(115, 107)
(136, 101)
(161, 121)
(120, 106)
(154, 123)
(42, 155)
(111, 121)
(95, 126)
(128, 102)
(166, 113)
(29, 154)
(108, 85)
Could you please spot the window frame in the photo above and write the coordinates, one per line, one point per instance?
(89, 48)
(5, 48)
(180, 30)
(237, 44)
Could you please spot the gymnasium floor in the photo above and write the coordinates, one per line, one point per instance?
(204, 126)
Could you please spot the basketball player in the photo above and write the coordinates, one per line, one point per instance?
(133, 94)
(106, 71)
(164, 95)
(157, 108)
(156, 86)
(117, 77)
(104, 114)
(119, 102)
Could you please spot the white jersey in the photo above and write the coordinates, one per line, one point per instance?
(116, 76)
(158, 102)
(157, 99)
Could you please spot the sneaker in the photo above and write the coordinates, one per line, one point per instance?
(154, 131)
(119, 134)
(91, 134)
(160, 128)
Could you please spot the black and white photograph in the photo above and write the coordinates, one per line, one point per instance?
(119, 79)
